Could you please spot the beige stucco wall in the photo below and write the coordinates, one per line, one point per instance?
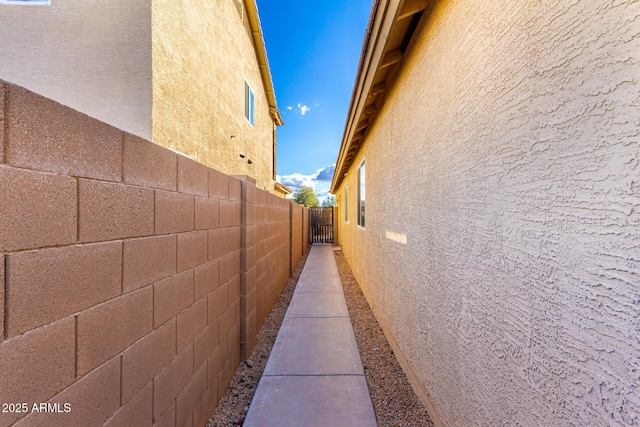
(508, 154)
(169, 71)
(92, 55)
(202, 55)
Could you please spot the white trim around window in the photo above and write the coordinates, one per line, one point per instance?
(249, 103)
(361, 194)
(345, 203)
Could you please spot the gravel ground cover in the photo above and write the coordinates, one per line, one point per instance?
(234, 404)
(394, 401)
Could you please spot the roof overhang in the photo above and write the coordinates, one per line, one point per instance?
(282, 189)
(391, 25)
(263, 62)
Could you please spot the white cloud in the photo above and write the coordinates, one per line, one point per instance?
(322, 193)
(326, 174)
(319, 181)
(302, 109)
(296, 180)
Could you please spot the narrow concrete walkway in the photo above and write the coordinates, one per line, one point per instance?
(314, 375)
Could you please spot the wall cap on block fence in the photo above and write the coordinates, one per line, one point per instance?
(183, 262)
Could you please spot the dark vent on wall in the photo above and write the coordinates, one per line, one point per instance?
(412, 28)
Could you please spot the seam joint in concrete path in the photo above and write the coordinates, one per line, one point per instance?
(314, 375)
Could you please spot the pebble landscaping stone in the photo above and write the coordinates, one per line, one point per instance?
(394, 401)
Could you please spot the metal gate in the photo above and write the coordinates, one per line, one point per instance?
(321, 224)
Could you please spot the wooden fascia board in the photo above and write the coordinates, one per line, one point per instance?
(391, 58)
(362, 124)
(380, 27)
(282, 188)
(379, 88)
(411, 7)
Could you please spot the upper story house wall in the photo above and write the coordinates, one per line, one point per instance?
(92, 55)
(172, 72)
(500, 250)
(203, 53)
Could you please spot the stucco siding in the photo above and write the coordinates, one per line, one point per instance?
(508, 154)
(202, 56)
(93, 56)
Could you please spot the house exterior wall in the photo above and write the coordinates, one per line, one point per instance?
(202, 55)
(507, 155)
(172, 72)
(130, 276)
(104, 45)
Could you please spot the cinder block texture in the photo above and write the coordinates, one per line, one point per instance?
(2, 296)
(205, 344)
(228, 267)
(45, 285)
(109, 328)
(190, 396)
(191, 322)
(217, 302)
(218, 243)
(37, 365)
(37, 210)
(227, 321)
(215, 364)
(47, 136)
(171, 296)
(193, 177)
(2, 105)
(168, 383)
(229, 213)
(218, 184)
(206, 279)
(143, 360)
(168, 418)
(148, 260)
(207, 213)
(106, 242)
(92, 399)
(205, 407)
(235, 189)
(109, 211)
(138, 412)
(174, 212)
(235, 239)
(149, 165)
(192, 249)
(234, 288)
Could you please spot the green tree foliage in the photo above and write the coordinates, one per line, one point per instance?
(305, 196)
(329, 201)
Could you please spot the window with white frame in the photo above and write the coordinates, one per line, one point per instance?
(346, 202)
(361, 194)
(248, 103)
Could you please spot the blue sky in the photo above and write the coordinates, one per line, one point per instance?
(313, 48)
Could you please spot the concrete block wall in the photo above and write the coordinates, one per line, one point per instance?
(266, 262)
(297, 234)
(273, 244)
(121, 265)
